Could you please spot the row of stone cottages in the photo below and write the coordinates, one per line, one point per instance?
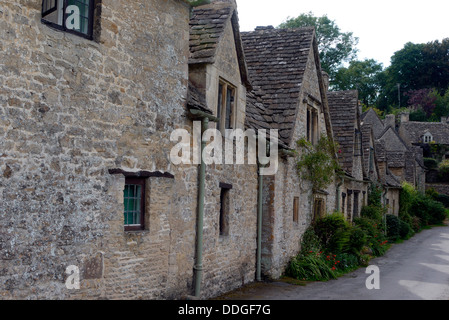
(87, 187)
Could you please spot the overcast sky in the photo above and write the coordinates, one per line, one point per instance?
(382, 26)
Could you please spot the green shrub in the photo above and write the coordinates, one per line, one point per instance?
(334, 233)
(375, 239)
(405, 230)
(444, 199)
(443, 167)
(430, 163)
(312, 266)
(372, 212)
(428, 210)
(357, 240)
(310, 241)
(393, 227)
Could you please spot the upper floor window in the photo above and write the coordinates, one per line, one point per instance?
(226, 109)
(75, 16)
(427, 137)
(313, 132)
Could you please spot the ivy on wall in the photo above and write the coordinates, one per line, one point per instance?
(315, 162)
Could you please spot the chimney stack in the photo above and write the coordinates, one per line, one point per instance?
(405, 117)
(390, 120)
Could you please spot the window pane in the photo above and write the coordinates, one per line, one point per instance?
(229, 100)
(78, 18)
(219, 104)
(132, 204)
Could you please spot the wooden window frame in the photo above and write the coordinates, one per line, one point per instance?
(141, 182)
(61, 26)
(222, 105)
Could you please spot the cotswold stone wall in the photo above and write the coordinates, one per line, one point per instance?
(72, 109)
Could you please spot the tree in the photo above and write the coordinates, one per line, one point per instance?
(362, 76)
(415, 67)
(335, 47)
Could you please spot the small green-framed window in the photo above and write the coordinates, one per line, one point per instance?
(74, 16)
(134, 204)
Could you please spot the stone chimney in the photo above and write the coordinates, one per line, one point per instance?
(390, 120)
(325, 80)
(405, 117)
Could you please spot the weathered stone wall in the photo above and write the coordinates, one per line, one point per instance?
(442, 188)
(71, 109)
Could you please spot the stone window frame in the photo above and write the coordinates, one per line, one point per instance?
(221, 111)
(50, 6)
(312, 123)
(146, 176)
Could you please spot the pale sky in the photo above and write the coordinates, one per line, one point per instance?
(382, 26)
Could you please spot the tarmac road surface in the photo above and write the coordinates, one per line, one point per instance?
(417, 269)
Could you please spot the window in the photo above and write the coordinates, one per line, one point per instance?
(75, 16)
(312, 125)
(134, 204)
(226, 106)
(427, 138)
(318, 209)
(296, 209)
(224, 208)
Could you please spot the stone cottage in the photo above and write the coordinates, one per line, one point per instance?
(87, 109)
(289, 94)
(424, 135)
(403, 161)
(353, 183)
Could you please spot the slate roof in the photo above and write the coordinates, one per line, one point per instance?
(207, 27)
(196, 99)
(343, 106)
(276, 60)
(372, 118)
(415, 130)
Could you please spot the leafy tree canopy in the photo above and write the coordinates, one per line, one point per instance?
(363, 76)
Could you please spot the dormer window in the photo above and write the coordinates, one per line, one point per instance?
(226, 107)
(74, 16)
(427, 137)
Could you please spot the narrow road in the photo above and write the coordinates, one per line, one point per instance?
(417, 269)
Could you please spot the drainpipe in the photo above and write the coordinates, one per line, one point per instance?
(338, 193)
(259, 226)
(198, 267)
(200, 223)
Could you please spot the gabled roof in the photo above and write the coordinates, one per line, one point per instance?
(343, 108)
(393, 142)
(277, 60)
(372, 118)
(207, 27)
(415, 130)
